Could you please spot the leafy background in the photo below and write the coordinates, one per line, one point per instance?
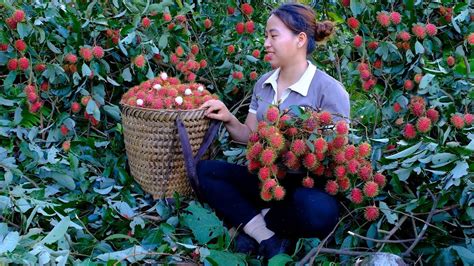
(83, 207)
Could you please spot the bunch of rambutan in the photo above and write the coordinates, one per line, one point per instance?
(165, 92)
(313, 144)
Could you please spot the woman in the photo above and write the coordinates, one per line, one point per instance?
(290, 36)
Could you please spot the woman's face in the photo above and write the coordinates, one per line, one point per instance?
(281, 44)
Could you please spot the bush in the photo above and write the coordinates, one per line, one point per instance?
(66, 192)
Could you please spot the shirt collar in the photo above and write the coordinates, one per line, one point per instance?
(301, 86)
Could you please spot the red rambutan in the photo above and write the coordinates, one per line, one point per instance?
(278, 192)
(380, 179)
(409, 131)
(308, 182)
(371, 213)
(383, 18)
(371, 189)
(332, 187)
(356, 196)
(457, 121)
(423, 124)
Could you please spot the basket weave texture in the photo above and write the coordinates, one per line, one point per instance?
(154, 150)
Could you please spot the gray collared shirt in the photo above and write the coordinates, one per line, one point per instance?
(324, 92)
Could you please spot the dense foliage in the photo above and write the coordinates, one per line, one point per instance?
(67, 197)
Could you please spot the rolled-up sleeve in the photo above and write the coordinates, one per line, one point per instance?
(253, 107)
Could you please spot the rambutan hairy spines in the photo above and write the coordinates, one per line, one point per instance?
(350, 152)
(277, 141)
(353, 166)
(320, 145)
(290, 160)
(264, 173)
(268, 156)
(325, 118)
(298, 146)
(342, 128)
(371, 189)
(380, 179)
(332, 187)
(365, 172)
(269, 184)
(308, 182)
(356, 196)
(340, 171)
(344, 183)
(278, 192)
(371, 213)
(310, 161)
(266, 195)
(254, 151)
(364, 150)
(253, 165)
(272, 114)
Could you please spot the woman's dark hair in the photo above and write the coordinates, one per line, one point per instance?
(300, 18)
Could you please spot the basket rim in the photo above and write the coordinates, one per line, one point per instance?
(123, 105)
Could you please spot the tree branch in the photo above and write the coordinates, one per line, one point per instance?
(420, 235)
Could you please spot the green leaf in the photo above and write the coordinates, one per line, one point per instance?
(58, 231)
(112, 81)
(24, 30)
(405, 152)
(466, 255)
(113, 111)
(458, 171)
(391, 216)
(133, 254)
(98, 93)
(441, 159)
(419, 49)
(403, 173)
(63, 179)
(426, 80)
(280, 260)
(126, 75)
(53, 48)
(203, 223)
(251, 59)
(8, 82)
(6, 102)
(86, 71)
(225, 258)
(357, 7)
(163, 41)
(10, 242)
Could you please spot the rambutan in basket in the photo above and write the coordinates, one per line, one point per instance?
(163, 147)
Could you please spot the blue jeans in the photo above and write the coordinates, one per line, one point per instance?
(235, 195)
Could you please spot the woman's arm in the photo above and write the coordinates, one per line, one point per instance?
(238, 131)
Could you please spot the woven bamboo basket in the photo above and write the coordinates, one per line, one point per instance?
(154, 149)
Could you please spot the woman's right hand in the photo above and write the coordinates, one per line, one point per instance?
(216, 109)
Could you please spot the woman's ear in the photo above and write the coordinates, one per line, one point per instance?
(302, 39)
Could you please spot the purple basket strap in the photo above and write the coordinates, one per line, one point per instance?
(190, 162)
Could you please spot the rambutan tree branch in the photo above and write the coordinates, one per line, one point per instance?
(425, 227)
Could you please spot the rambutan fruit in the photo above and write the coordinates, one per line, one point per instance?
(457, 121)
(278, 192)
(371, 213)
(423, 124)
(409, 131)
(308, 182)
(356, 196)
(298, 147)
(332, 187)
(371, 189)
